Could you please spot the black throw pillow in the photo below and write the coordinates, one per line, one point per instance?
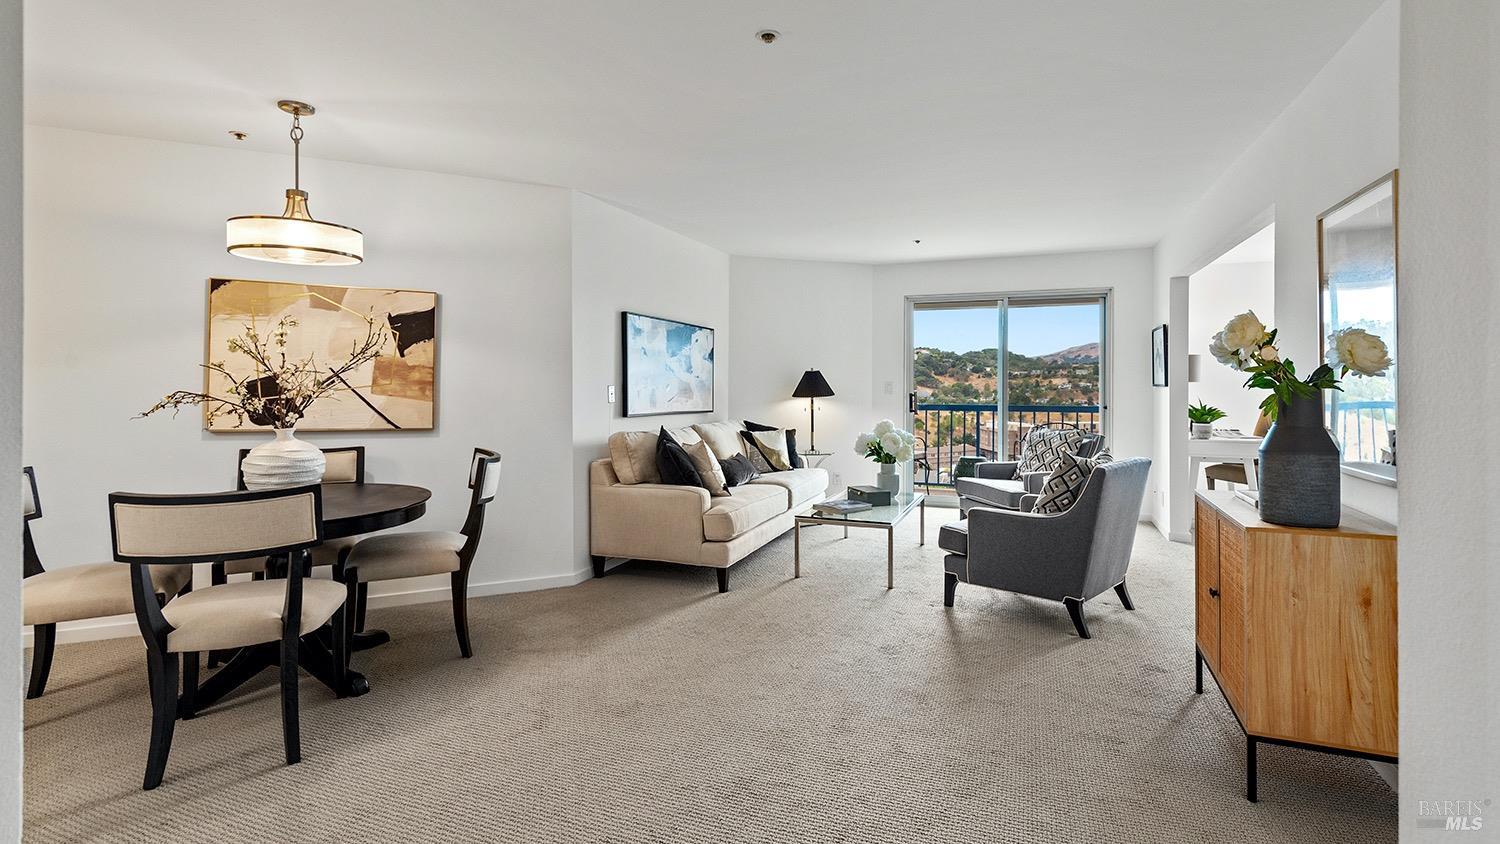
(792, 456)
(674, 464)
(738, 470)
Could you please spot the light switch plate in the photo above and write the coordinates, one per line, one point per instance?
(611, 394)
(890, 388)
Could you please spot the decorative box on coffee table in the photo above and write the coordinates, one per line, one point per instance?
(1298, 627)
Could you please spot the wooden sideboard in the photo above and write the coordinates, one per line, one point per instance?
(1298, 627)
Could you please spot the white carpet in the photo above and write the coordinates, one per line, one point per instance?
(645, 706)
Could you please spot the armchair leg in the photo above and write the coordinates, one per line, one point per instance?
(461, 611)
(163, 671)
(43, 641)
(598, 564)
(217, 577)
(950, 585)
(1124, 596)
(1075, 609)
(339, 626)
(723, 579)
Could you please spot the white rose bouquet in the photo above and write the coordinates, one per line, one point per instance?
(1247, 345)
(886, 444)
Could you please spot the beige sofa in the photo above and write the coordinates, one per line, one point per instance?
(635, 516)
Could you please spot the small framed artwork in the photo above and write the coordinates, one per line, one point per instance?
(1159, 356)
(669, 366)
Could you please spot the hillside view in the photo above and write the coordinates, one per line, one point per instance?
(1066, 377)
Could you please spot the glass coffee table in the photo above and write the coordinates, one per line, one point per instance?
(883, 518)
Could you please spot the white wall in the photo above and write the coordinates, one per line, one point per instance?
(1449, 299)
(1337, 136)
(622, 262)
(793, 316)
(11, 682)
(1126, 273)
(121, 235)
(1217, 293)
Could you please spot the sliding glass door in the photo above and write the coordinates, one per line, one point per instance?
(986, 371)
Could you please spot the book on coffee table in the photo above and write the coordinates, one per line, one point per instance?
(841, 506)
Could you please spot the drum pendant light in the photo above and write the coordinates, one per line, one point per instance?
(294, 237)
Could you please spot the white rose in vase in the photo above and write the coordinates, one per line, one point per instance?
(891, 441)
(1222, 353)
(862, 442)
(883, 427)
(1270, 354)
(1358, 351)
(1244, 333)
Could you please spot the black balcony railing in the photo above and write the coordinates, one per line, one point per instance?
(948, 432)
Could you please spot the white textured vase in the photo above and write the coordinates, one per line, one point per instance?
(283, 462)
(1202, 430)
(888, 480)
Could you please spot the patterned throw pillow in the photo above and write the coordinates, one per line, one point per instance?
(772, 446)
(1043, 448)
(707, 464)
(1066, 482)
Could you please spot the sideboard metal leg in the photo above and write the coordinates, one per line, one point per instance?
(1251, 789)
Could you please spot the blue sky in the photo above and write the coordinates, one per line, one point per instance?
(1033, 331)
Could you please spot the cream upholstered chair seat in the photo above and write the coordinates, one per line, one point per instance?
(322, 555)
(401, 555)
(94, 590)
(239, 614)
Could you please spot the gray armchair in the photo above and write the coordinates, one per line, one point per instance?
(995, 483)
(1069, 557)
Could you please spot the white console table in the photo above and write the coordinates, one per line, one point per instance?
(1223, 450)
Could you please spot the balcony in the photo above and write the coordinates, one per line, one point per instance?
(947, 432)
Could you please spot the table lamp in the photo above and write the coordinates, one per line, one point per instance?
(812, 386)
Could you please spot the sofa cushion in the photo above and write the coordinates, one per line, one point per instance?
(955, 537)
(791, 441)
(738, 470)
(1066, 482)
(743, 509)
(723, 438)
(634, 456)
(772, 445)
(801, 485)
(996, 493)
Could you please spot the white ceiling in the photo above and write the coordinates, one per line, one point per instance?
(977, 126)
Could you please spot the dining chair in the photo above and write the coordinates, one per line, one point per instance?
(346, 465)
(398, 556)
(74, 593)
(212, 527)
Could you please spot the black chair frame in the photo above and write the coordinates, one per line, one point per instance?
(163, 666)
(481, 464)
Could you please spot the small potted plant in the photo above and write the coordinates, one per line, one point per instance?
(887, 445)
(1202, 417)
(277, 395)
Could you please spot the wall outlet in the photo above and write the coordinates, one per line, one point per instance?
(835, 480)
(611, 394)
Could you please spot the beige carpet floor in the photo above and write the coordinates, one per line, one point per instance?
(647, 707)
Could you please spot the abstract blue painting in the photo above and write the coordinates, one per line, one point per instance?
(669, 366)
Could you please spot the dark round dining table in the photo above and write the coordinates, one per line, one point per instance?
(349, 509)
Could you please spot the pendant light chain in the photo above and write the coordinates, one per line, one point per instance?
(296, 151)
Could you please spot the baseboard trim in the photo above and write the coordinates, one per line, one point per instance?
(122, 626)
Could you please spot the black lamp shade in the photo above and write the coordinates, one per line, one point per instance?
(812, 386)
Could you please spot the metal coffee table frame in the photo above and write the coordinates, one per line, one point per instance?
(919, 503)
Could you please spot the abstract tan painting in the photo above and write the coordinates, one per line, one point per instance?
(394, 392)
